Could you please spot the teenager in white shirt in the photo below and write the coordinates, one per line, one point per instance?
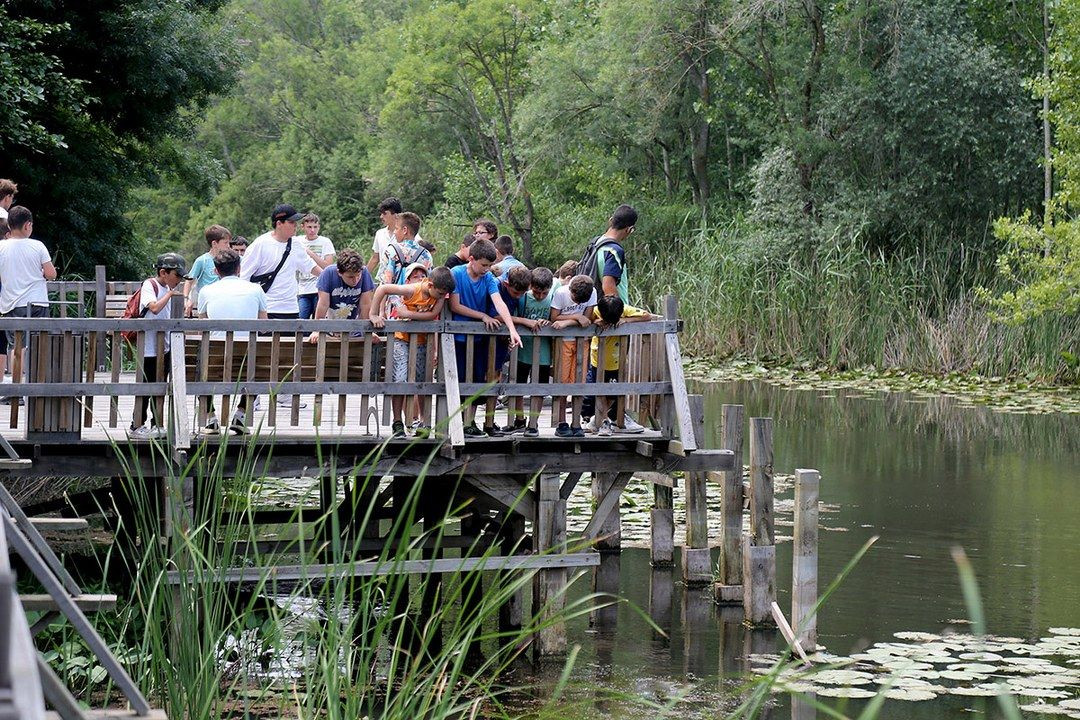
(265, 264)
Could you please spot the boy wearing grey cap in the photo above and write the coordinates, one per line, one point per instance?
(155, 303)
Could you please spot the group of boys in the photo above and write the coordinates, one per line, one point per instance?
(273, 276)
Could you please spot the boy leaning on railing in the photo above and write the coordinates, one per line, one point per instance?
(422, 300)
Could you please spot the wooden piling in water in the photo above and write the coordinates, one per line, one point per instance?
(759, 548)
(696, 563)
(549, 585)
(804, 572)
(662, 515)
(728, 589)
(609, 538)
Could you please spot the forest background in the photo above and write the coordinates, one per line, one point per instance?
(884, 183)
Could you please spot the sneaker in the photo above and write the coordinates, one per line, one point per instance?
(416, 424)
(500, 402)
(514, 429)
(531, 432)
(493, 431)
(152, 432)
(397, 430)
(421, 431)
(604, 429)
(577, 432)
(257, 403)
(12, 400)
(632, 427)
(590, 427)
(563, 430)
(285, 401)
(472, 431)
(212, 426)
(238, 424)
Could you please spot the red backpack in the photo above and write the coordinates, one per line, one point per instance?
(132, 310)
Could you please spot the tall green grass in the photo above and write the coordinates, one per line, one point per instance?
(387, 646)
(840, 306)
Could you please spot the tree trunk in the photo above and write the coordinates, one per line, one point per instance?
(1048, 168)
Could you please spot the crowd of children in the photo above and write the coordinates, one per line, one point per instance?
(298, 275)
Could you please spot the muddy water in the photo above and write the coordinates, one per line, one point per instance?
(922, 473)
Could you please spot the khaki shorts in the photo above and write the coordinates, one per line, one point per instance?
(569, 371)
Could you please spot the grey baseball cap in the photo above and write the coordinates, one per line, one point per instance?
(172, 261)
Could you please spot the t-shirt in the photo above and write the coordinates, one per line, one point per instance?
(453, 261)
(508, 262)
(611, 260)
(562, 301)
(203, 272)
(473, 294)
(322, 247)
(383, 238)
(3, 214)
(262, 256)
(152, 291)
(231, 299)
(533, 309)
(611, 344)
(20, 273)
(344, 300)
(510, 301)
(411, 251)
(419, 301)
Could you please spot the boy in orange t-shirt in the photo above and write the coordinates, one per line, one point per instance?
(421, 300)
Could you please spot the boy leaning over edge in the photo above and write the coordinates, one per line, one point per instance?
(610, 311)
(534, 312)
(571, 305)
(421, 300)
(476, 294)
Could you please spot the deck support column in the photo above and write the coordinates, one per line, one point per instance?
(511, 533)
(759, 549)
(661, 549)
(728, 589)
(549, 585)
(696, 562)
(609, 536)
(804, 573)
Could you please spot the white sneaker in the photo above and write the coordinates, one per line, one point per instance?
(257, 404)
(238, 424)
(148, 433)
(285, 401)
(590, 427)
(604, 429)
(632, 427)
(212, 426)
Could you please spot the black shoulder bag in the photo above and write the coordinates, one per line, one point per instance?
(266, 280)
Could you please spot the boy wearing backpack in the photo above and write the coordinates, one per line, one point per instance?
(155, 303)
(605, 258)
(404, 250)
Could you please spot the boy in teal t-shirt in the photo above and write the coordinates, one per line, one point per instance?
(534, 312)
(202, 270)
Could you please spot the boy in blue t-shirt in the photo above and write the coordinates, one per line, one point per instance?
(475, 295)
(202, 270)
(534, 312)
(345, 290)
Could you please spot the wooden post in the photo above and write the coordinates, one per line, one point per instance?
(549, 586)
(759, 549)
(804, 571)
(609, 536)
(661, 549)
(728, 588)
(732, 631)
(101, 289)
(696, 563)
(605, 583)
(512, 531)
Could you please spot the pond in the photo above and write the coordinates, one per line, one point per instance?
(923, 473)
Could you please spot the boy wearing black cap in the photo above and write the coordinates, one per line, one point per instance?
(155, 303)
(273, 260)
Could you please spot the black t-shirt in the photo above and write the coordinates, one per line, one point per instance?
(453, 261)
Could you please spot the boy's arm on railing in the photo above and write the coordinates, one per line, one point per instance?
(507, 319)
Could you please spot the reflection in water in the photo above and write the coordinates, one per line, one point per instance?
(926, 475)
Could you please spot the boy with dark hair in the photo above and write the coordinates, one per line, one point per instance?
(239, 245)
(155, 303)
(571, 305)
(610, 255)
(203, 273)
(321, 250)
(462, 255)
(7, 196)
(345, 291)
(273, 261)
(230, 299)
(504, 252)
(476, 294)
(604, 357)
(388, 210)
(534, 312)
(484, 229)
(421, 300)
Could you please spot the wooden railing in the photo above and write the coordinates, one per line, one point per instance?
(73, 361)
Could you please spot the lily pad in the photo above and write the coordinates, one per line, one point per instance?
(910, 694)
(980, 656)
(977, 668)
(915, 636)
(974, 691)
(1075, 632)
(842, 677)
(845, 692)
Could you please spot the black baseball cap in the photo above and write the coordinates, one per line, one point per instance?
(172, 261)
(285, 212)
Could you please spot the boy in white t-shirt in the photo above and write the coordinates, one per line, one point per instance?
(25, 268)
(389, 209)
(266, 264)
(322, 252)
(155, 303)
(571, 305)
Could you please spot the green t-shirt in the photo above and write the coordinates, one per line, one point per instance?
(533, 309)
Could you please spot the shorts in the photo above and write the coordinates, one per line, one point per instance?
(400, 372)
(524, 373)
(569, 372)
(34, 311)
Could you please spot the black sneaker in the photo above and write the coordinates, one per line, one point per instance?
(471, 431)
(577, 432)
(531, 432)
(421, 431)
(397, 430)
(563, 430)
(514, 429)
(493, 431)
